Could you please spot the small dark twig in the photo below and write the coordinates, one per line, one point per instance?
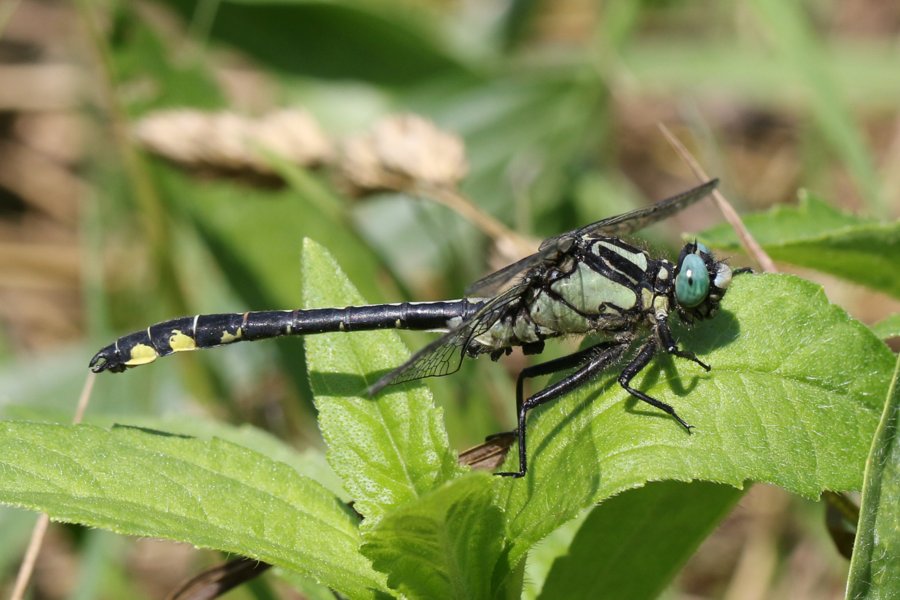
(214, 582)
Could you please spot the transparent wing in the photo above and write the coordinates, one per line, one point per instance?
(491, 283)
(444, 355)
(638, 219)
(615, 226)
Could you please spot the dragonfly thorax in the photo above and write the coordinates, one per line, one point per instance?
(599, 284)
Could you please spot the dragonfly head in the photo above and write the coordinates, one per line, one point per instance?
(700, 282)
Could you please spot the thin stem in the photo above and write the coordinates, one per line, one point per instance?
(491, 227)
(751, 246)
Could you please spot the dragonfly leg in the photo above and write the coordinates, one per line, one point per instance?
(641, 360)
(593, 360)
(556, 365)
(671, 346)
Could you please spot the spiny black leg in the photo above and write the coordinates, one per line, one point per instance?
(555, 365)
(547, 368)
(643, 358)
(593, 360)
(670, 346)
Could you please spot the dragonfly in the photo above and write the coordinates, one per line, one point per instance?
(584, 282)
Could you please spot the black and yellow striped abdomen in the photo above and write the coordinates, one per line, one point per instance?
(207, 331)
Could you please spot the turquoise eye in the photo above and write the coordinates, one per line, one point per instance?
(692, 283)
(702, 248)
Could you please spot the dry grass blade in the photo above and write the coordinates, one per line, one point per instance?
(84, 398)
(750, 245)
(512, 245)
(23, 577)
(489, 455)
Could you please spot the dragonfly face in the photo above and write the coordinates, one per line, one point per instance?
(700, 283)
(584, 281)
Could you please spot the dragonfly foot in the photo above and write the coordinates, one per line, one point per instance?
(687, 426)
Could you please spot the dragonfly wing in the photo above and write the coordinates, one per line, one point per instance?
(441, 357)
(636, 220)
(445, 355)
(547, 253)
(615, 226)
(491, 283)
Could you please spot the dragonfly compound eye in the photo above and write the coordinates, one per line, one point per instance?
(692, 282)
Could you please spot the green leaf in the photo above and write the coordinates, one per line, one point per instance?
(376, 42)
(389, 450)
(544, 554)
(212, 494)
(875, 566)
(815, 235)
(792, 399)
(888, 327)
(637, 541)
(309, 462)
(446, 544)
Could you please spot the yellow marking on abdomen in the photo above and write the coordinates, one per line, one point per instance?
(227, 338)
(181, 342)
(141, 354)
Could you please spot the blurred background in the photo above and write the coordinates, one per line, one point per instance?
(296, 119)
